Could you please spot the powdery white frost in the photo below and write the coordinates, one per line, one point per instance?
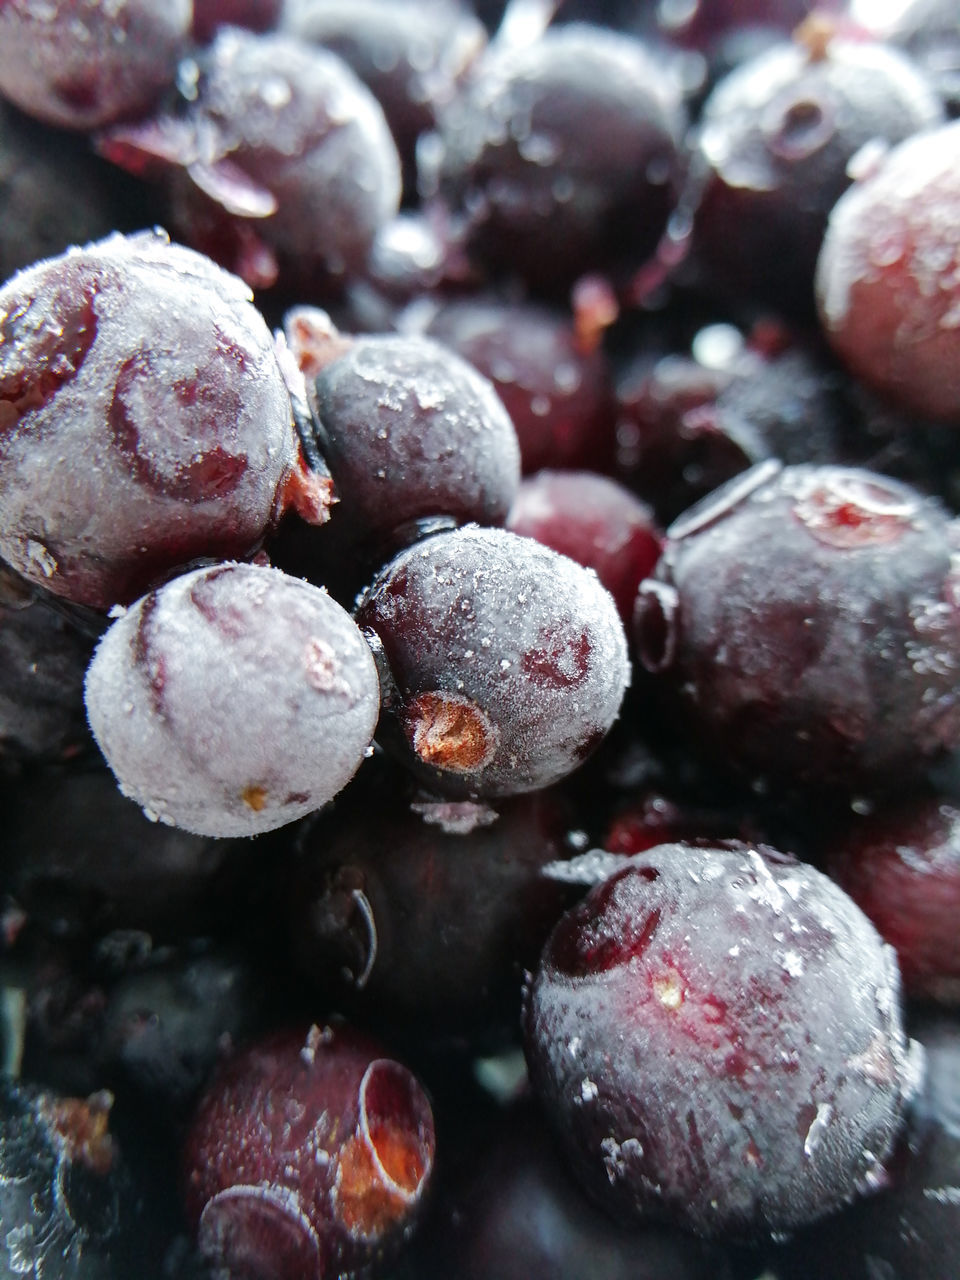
(206, 701)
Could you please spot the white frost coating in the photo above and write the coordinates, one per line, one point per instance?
(227, 732)
(181, 375)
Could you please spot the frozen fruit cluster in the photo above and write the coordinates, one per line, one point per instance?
(479, 640)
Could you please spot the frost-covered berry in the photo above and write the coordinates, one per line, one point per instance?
(144, 419)
(233, 700)
(509, 660)
(84, 64)
(716, 1034)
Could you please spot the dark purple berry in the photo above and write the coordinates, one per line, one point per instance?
(410, 432)
(280, 165)
(887, 282)
(594, 521)
(901, 865)
(807, 620)
(716, 1036)
(388, 865)
(86, 65)
(508, 661)
(144, 419)
(411, 55)
(563, 154)
(559, 395)
(775, 140)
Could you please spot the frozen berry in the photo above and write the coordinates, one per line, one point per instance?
(888, 276)
(144, 419)
(233, 700)
(83, 65)
(716, 1036)
(508, 660)
(807, 620)
(564, 153)
(309, 1156)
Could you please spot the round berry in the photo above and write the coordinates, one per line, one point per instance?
(144, 419)
(233, 700)
(716, 1035)
(508, 660)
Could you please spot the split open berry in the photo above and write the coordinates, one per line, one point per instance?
(309, 1156)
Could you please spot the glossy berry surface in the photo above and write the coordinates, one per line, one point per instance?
(207, 733)
(509, 661)
(144, 419)
(309, 1155)
(716, 1037)
(85, 65)
(563, 152)
(594, 521)
(887, 283)
(901, 865)
(806, 618)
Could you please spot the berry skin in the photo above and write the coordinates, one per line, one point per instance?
(901, 865)
(144, 419)
(564, 152)
(716, 1036)
(84, 65)
(776, 138)
(309, 1156)
(233, 700)
(807, 621)
(594, 521)
(888, 282)
(411, 431)
(508, 661)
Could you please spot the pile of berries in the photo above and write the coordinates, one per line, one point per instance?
(479, 640)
